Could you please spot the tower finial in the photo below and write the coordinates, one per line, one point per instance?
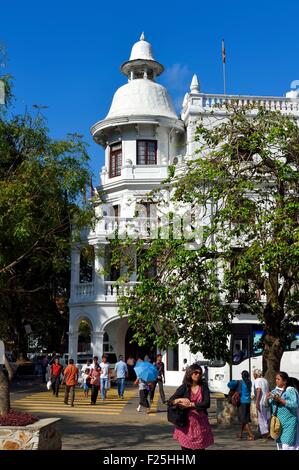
(142, 37)
(194, 87)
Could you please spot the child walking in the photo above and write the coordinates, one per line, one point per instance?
(86, 382)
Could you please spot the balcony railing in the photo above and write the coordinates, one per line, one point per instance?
(84, 290)
(274, 103)
(114, 289)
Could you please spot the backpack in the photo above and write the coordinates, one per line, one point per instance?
(275, 425)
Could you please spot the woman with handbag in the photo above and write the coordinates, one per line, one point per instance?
(193, 396)
(284, 403)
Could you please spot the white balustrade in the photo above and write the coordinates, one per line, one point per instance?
(268, 102)
(84, 289)
(114, 289)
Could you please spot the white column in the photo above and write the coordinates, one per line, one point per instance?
(97, 343)
(73, 345)
(99, 265)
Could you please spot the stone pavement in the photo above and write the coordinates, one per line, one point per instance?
(116, 425)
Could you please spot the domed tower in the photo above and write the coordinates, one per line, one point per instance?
(141, 133)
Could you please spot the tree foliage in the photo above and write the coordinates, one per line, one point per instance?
(41, 181)
(245, 177)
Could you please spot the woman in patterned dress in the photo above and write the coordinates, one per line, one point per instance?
(286, 399)
(193, 396)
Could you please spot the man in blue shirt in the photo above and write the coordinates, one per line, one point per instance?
(121, 371)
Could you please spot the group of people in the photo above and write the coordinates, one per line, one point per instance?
(193, 397)
(282, 401)
(95, 376)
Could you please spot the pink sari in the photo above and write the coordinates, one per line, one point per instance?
(198, 433)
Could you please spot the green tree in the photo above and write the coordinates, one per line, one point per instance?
(245, 179)
(41, 181)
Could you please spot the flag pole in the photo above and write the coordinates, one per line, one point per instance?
(224, 66)
(224, 78)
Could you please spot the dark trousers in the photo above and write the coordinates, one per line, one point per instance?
(69, 390)
(55, 385)
(143, 401)
(161, 390)
(94, 393)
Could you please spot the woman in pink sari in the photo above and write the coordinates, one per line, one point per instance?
(194, 397)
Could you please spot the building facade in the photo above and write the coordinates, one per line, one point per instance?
(142, 136)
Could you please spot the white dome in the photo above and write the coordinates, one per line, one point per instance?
(142, 50)
(141, 97)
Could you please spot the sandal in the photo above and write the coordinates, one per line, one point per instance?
(250, 438)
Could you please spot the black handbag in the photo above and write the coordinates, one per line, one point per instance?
(177, 416)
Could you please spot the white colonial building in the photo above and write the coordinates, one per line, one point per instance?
(142, 135)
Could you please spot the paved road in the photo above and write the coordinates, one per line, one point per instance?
(115, 424)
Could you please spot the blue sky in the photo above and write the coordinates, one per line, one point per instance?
(66, 54)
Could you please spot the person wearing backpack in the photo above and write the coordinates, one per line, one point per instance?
(242, 399)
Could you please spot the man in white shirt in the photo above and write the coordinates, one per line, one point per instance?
(104, 376)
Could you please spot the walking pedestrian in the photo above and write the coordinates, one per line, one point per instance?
(95, 375)
(143, 394)
(284, 402)
(194, 397)
(121, 371)
(70, 377)
(160, 379)
(261, 388)
(104, 376)
(185, 365)
(244, 388)
(55, 374)
(86, 382)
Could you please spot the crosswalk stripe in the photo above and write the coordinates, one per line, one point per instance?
(32, 403)
(46, 402)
